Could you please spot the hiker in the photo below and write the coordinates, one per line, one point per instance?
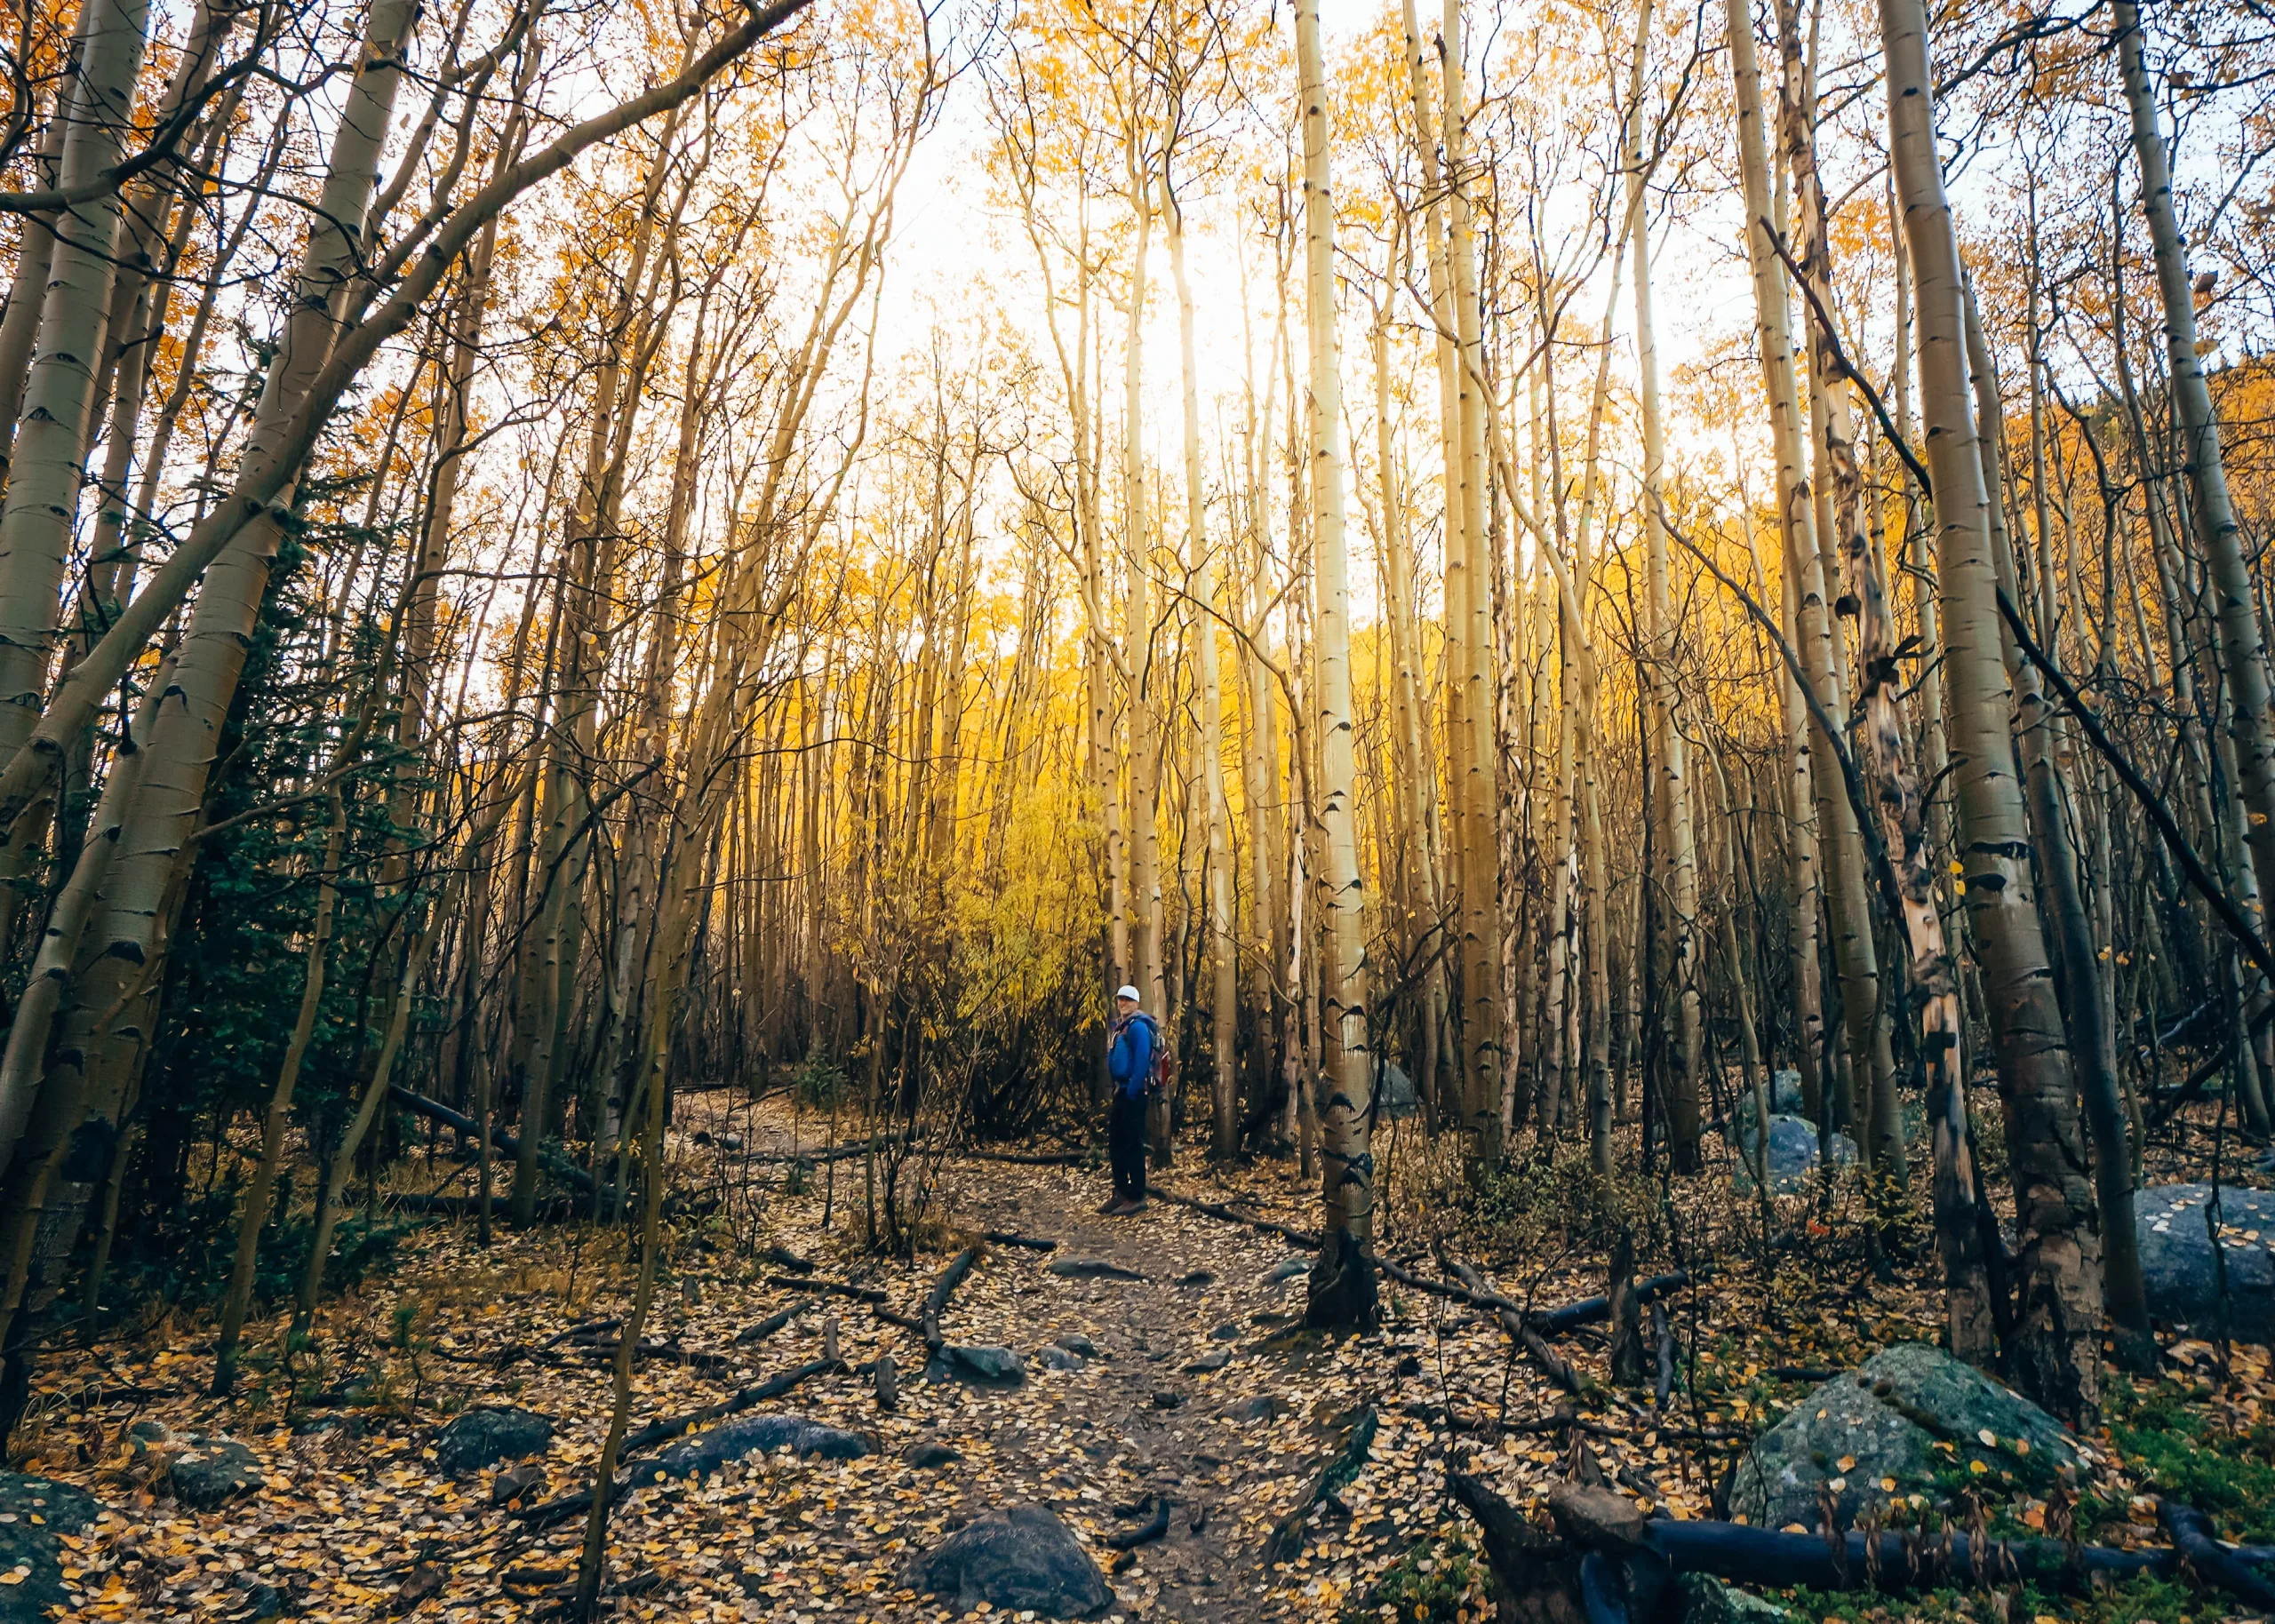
(1130, 1063)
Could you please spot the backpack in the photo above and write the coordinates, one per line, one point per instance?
(1157, 1080)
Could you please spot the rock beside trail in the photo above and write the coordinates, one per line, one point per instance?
(976, 1366)
(1055, 1357)
(750, 1435)
(1911, 1420)
(2177, 1262)
(1090, 1268)
(1708, 1600)
(930, 1455)
(1792, 1150)
(484, 1436)
(211, 1469)
(1288, 1269)
(31, 1556)
(1785, 1097)
(1019, 1560)
(1395, 1096)
(1075, 1342)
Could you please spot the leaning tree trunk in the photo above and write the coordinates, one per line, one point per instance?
(45, 465)
(2077, 971)
(81, 1095)
(2054, 1355)
(1970, 1320)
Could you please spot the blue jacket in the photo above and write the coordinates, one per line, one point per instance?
(1130, 1061)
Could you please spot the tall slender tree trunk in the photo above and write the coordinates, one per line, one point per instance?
(254, 1215)
(1223, 952)
(2054, 1355)
(2243, 651)
(1342, 1284)
(2076, 964)
(1670, 790)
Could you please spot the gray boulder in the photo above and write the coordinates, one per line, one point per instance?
(1792, 1150)
(480, 1437)
(990, 1367)
(31, 1558)
(1708, 1600)
(1090, 1268)
(1287, 1269)
(1396, 1096)
(1784, 1096)
(212, 1470)
(1017, 1560)
(1055, 1357)
(752, 1434)
(1075, 1342)
(930, 1455)
(1911, 1417)
(2177, 1263)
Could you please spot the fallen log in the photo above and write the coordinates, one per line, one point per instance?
(1608, 1561)
(671, 1427)
(773, 1322)
(1552, 1364)
(833, 1288)
(936, 1301)
(1156, 1527)
(1218, 1209)
(783, 1257)
(2214, 1563)
(1548, 1322)
(434, 1110)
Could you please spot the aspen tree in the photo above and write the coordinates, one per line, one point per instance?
(1342, 1283)
(2242, 636)
(1216, 817)
(2054, 1354)
(1671, 791)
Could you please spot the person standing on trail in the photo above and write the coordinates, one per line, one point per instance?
(1130, 1063)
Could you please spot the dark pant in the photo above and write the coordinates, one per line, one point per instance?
(1125, 1142)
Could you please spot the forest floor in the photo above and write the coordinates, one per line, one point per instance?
(1204, 1388)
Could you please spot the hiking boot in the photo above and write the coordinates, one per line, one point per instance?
(1106, 1208)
